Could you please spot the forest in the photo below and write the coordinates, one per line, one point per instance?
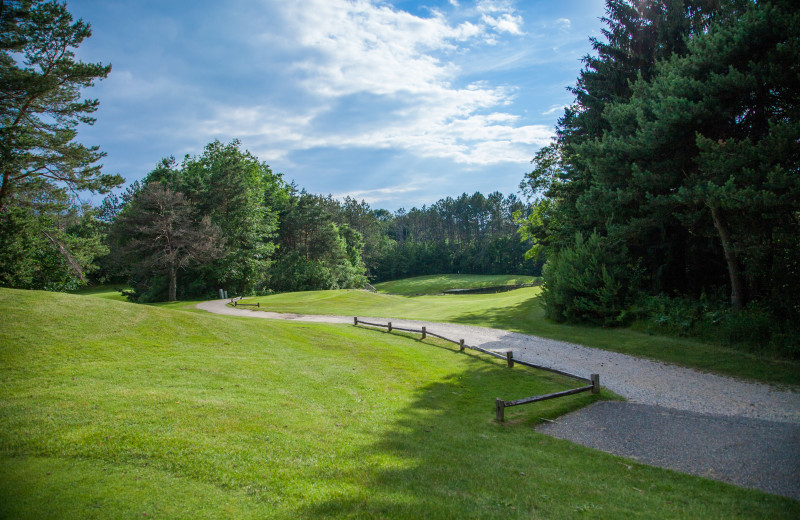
(672, 188)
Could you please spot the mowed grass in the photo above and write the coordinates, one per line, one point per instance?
(115, 410)
(520, 310)
(436, 284)
(107, 291)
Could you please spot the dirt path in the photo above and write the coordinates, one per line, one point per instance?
(764, 419)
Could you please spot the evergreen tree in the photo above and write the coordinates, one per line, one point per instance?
(45, 238)
(40, 101)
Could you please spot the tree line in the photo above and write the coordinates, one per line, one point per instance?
(674, 178)
(225, 220)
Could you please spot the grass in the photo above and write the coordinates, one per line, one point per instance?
(107, 292)
(116, 410)
(520, 311)
(436, 284)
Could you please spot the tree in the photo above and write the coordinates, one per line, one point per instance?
(240, 194)
(683, 146)
(40, 100)
(711, 143)
(162, 235)
(48, 240)
(53, 247)
(315, 252)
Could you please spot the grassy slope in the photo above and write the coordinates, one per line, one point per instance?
(114, 410)
(520, 311)
(108, 292)
(439, 283)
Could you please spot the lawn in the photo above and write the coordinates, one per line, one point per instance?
(108, 291)
(116, 410)
(436, 284)
(520, 311)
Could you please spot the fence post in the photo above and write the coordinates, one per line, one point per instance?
(424, 332)
(461, 345)
(235, 303)
(355, 320)
(258, 304)
(510, 358)
(595, 383)
(390, 326)
(500, 408)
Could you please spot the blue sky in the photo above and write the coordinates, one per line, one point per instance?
(399, 103)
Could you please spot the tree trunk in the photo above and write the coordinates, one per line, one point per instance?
(172, 283)
(734, 272)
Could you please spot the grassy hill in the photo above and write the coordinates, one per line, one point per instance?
(521, 311)
(436, 284)
(115, 410)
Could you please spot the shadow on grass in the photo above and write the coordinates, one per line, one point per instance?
(516, 318)
(527, 317)
(446, 456)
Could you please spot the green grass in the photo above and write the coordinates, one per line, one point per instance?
(107, 291)
(520, 311)
(436, 284)
(115, 410)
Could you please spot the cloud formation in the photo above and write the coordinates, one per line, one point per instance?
(371, 53)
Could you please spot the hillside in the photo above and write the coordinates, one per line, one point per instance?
(112, 410)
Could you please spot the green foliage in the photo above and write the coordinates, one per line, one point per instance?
(470, 234)
(51, 247)
(40, 101)
(315, 252)
(755, 328)
(228, 204)
(47, 240)
(159, 236)
(683, 144)
(588, 282)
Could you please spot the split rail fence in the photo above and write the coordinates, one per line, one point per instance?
(500, 404)
(236, 303)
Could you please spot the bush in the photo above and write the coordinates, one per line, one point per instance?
(756, 328)
(590, 282)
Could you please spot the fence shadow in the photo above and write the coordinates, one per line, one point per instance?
(445, 448)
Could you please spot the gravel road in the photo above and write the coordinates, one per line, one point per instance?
(657, 393)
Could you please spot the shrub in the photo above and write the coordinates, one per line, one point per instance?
(590, 282)
(756, 327)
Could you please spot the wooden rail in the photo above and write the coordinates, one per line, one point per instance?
(237, 304)
(500, 404)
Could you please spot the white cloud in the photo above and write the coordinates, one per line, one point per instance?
(357, 49)
(500, 16)
(495, 6)
(563, 23)
(554, 109)
(381, 194)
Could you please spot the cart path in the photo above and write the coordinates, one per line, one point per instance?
(718, 427)
(747, 452)
(638, 380)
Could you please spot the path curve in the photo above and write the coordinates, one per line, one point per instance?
(678, 418)
(638, 380)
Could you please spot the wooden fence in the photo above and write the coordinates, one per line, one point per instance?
(237, 304)
(500, 404)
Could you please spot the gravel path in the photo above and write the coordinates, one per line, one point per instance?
(747, 452)
(661, 398)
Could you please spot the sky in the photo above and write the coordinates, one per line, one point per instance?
(398, 103)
